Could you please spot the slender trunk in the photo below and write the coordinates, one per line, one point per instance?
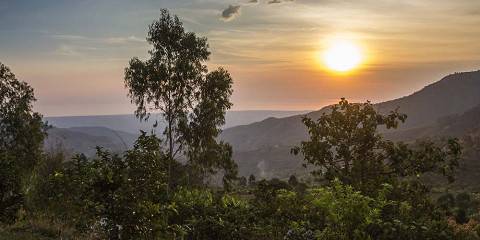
(170, 155)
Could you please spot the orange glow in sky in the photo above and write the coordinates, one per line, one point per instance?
(294, 55)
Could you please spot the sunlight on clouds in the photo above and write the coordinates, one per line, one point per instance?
(270, 49)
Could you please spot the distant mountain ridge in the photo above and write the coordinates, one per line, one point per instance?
(86, 139)
(262, 140)
(117, 133)
(263, 148)
(454, 94)
(457, 125)
(129, 123)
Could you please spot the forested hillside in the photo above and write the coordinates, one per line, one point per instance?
(430, 111)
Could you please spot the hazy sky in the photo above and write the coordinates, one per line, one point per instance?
(73, 52)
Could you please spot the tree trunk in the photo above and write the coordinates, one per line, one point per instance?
(170, 155)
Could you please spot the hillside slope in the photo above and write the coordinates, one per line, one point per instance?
(86, 139)
(458, 125)
(129, 123)
(454, 94)
(446, 107)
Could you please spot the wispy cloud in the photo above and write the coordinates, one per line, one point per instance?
(105, 40)
(79, 46)
(279, 1)
(122, 40)
(67, 50)
(69, 37)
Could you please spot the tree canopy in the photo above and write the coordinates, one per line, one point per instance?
(21, 137)
(346, 144)
(175, 82)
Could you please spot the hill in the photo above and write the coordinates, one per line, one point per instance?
(81, 134)
(457, 125)
(86, 139)
(262, 139)
(453, 95)
(465, 127)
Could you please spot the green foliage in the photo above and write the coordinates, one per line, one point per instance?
(463, 207)
(11, 196)
(175, 81)
(201, 214)
(124, 197)
(345, 144)
(21, 137)
(205, 155)
(347, 213)
(120, 197)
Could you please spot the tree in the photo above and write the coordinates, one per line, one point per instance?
(204, 153)
(293, 181)
(242, 181)
(175, 81)
(129, 191)
(21, 138)
(345, 144)
(251, 180)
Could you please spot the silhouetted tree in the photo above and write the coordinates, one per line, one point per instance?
(242, 181)
(293, 180)
(21, 137)
(175, 81)
(251, 180)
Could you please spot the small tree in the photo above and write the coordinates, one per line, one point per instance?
(21, 138)
(242, 181)
(292, 181)
(175, 81)
(251, 180)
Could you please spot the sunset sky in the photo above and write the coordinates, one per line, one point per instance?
(73, 52)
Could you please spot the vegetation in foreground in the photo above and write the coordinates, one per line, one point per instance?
(366, 188)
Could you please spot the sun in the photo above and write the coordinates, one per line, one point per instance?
(342, 56)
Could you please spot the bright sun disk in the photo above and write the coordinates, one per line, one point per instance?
(342, 56)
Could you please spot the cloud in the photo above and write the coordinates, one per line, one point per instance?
(67, 50)
(122, 40)
(105, 40)
(231, 12)
(69, 37)
(279, 1)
